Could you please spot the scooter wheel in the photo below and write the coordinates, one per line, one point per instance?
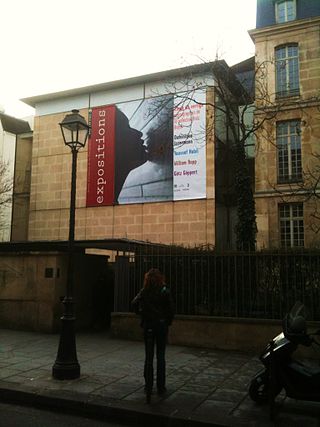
(259, 389)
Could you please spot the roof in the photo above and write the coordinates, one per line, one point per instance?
(147, 78)
(243, 66)
(80, 246)
(14, 125)
(231, 80)
(245, 72)
(219, 69)
(125, 245)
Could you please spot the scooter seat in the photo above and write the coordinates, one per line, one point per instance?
(306, 369)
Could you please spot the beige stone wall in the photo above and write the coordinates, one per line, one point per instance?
(212, 332)
(306, 108)
(269, 193)
(27, 297)
(306, 33)
(182, 222)
(30, 299)
(268, 220)
(266, 154)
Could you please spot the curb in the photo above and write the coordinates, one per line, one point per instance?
(102, 408)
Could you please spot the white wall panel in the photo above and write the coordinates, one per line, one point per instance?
(120, 94)
(62, 105)
(115, 96)
(178, 85)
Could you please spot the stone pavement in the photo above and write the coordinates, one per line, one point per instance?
(205, 387)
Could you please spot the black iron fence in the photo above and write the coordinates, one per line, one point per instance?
(203, 282)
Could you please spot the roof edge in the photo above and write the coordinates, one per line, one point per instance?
(196, 68)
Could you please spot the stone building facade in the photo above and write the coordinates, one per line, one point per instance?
(182, 222)
(33, 271)
(179, 222)
(287, 99)
(287, 160)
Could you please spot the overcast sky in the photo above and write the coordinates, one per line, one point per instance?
(53, 45)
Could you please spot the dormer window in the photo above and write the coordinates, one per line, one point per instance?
(285, 10)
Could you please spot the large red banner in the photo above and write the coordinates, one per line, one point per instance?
(101, 157)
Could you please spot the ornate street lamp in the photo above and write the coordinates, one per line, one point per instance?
(75, 132)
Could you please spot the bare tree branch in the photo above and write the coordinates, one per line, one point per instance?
(6, 186)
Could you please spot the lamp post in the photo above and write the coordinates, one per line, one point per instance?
(75, 132)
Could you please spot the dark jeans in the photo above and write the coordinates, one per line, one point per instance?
(159, 338)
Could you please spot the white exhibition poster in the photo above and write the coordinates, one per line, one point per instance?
(189, 146)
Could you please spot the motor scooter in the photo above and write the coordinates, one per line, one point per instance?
(281, 371)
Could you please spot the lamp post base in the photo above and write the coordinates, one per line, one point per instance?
(66, 366)
(66, 371)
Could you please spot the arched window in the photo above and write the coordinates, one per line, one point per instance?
(287, 70)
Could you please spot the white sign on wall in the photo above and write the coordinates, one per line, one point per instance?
(189, 146)
(149, 150)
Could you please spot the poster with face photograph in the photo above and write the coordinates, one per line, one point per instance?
(146, 151)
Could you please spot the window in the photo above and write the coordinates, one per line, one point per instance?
(285, 11)
(291, 225)
(289, 151)
(287, 70)
(48, 273)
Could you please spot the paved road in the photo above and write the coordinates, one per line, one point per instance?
(25, 416)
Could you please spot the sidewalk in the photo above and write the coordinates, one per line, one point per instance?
(205, 387)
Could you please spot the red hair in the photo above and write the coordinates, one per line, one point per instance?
(153, 278)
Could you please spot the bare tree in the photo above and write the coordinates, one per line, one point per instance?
(306, 186)
(6, 186)
(242, 109)
(311, 187)
(306, 190)
(230, 105)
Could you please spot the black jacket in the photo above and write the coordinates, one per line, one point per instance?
(154, 304)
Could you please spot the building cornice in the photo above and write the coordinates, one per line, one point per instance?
(278, 29)
(285, 192)
(295, 103)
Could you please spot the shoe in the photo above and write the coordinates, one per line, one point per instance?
(162, 390)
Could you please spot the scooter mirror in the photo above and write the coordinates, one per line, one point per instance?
(298, 325)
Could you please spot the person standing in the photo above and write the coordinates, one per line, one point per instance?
(155, 306)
